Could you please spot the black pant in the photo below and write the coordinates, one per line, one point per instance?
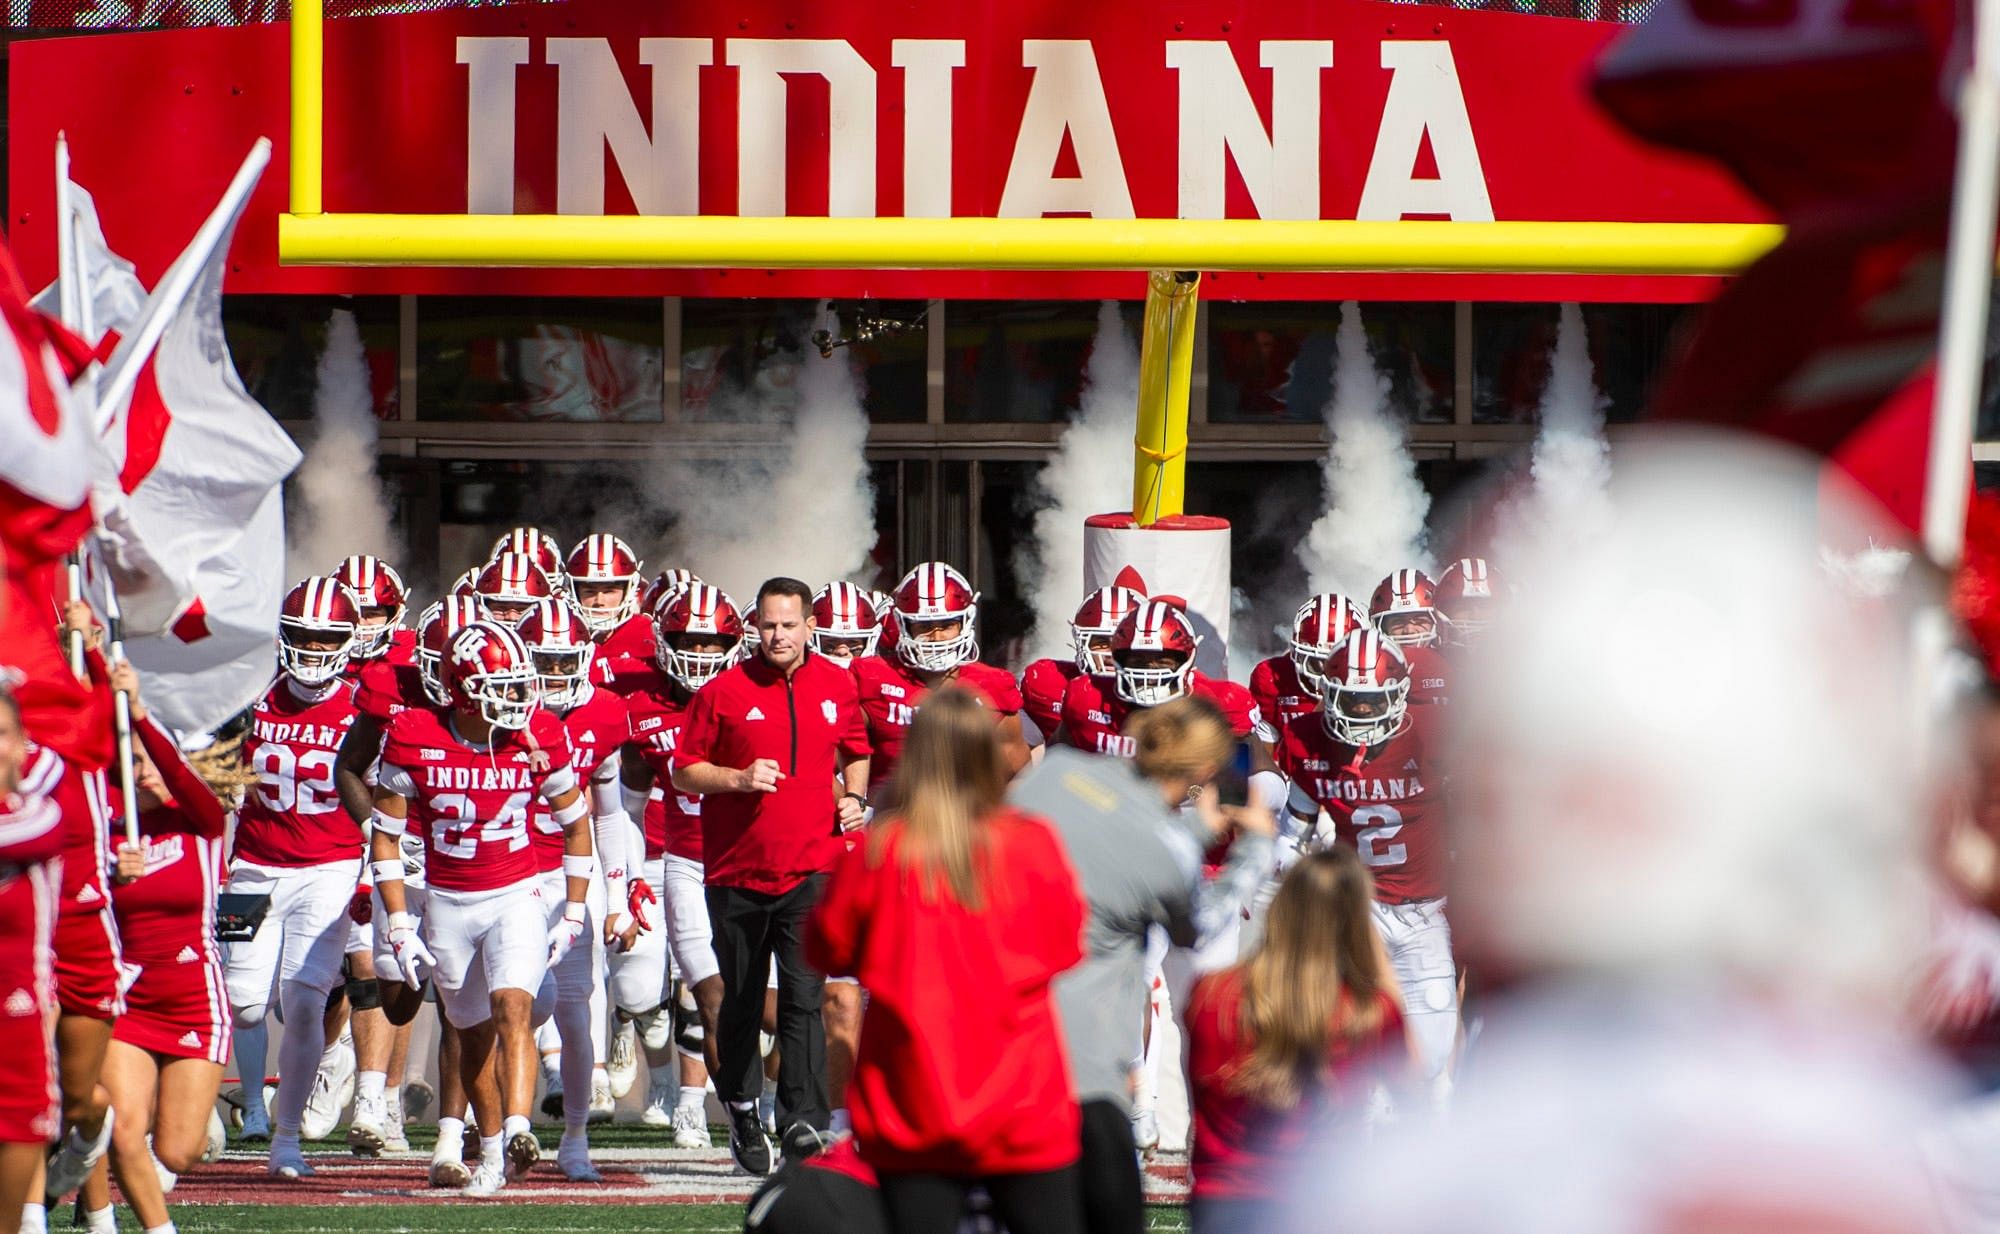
(750, 927)
(1114, 1197)
(1046, 1203)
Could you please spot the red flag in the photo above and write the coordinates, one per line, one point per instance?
(45, 472)
(1831, 111)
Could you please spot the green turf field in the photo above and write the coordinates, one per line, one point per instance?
(497, 1218)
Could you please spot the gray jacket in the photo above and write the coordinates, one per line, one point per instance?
(1140, 866)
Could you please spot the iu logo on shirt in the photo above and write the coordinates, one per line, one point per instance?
(827, 709)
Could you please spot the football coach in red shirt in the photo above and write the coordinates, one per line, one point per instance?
(763, 745)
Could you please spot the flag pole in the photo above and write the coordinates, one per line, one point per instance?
(114, 630)
(1968, 285)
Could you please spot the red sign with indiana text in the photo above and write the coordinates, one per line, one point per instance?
(1313, 109)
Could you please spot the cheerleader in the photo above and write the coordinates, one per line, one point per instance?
(31, 833)
(167, 1052)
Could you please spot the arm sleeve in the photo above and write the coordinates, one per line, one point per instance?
(837, 928)
(558, 781)
(394, 779)
(1031, 732)
(204, 814)
(611, 828)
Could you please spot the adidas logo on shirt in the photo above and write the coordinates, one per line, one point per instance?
(88, 895)
(191, 1039)
(1410, 766)
(21, 1003)
(591, 737)
(755, 713)
(187, 956)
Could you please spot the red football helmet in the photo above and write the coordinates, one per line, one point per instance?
(1367, 689)
(1404, 608)
(1321, 624)
(322, 612)
(664, 584)
(845, 623)
(511, 586)
(604, 568)
(467, 584)
(1152, 652)
(1467, 592)
(538, 546)
(932, 598)
(380, 589)
(434, 630)
(1095, 622)
(559, 643)
(488, 672)
(697, 613)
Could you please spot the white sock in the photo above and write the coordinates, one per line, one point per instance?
(515, 1124)
(100, 1220)
(34, 1219)
(392, 1096)
(692, 1097)
(368, 1085)
(841, 1123)
(163, 1228)
(489, 1150)
(451, 1131)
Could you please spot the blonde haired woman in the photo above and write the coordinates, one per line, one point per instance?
(955, 915)
(1296, 1034)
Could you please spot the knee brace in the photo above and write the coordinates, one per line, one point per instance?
(688, 1035)
(364, 993)
(333, 997)
(656, 1027)
(243, 1016)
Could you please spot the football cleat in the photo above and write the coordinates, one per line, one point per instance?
(623, 1065)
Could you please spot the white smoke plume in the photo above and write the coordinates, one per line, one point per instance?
(806, 510)
(338, 507)
(1090, 474)
(1376, 506)
(1571, 462)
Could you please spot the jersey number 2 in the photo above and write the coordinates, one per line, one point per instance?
(1375, 826)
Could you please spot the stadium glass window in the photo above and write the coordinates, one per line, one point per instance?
(742, 360)
(539, 359)
(1274, 362)
(1023, 361)
(1629, 346)
(278, 343)
(479, 500)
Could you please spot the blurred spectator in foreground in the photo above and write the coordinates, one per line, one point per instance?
(1291, 1042)
(955, 915)
(1690, 833)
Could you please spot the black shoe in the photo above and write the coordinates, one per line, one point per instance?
(748, 1143)
(803, 1141)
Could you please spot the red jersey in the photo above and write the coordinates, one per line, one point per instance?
(1243, 1150)
(386, 688)
(1430, 676)
(891, 693)
(943, 1083)
(292, 816)
(1281, 697)
(1042, 686)
(771, 842)
(658, 709)
(85, 828)
(1381, 799)
(598, 727)
(471, 803)
(167, 915)
(1093, 715)
(632, 639)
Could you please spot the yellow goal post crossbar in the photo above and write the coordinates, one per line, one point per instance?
(307, 235)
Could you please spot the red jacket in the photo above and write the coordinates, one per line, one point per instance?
(961, 1069)
(771, 842)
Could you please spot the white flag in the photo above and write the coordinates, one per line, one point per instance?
(192, 526)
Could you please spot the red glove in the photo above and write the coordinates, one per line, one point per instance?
(638, 895)
(362, 907)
